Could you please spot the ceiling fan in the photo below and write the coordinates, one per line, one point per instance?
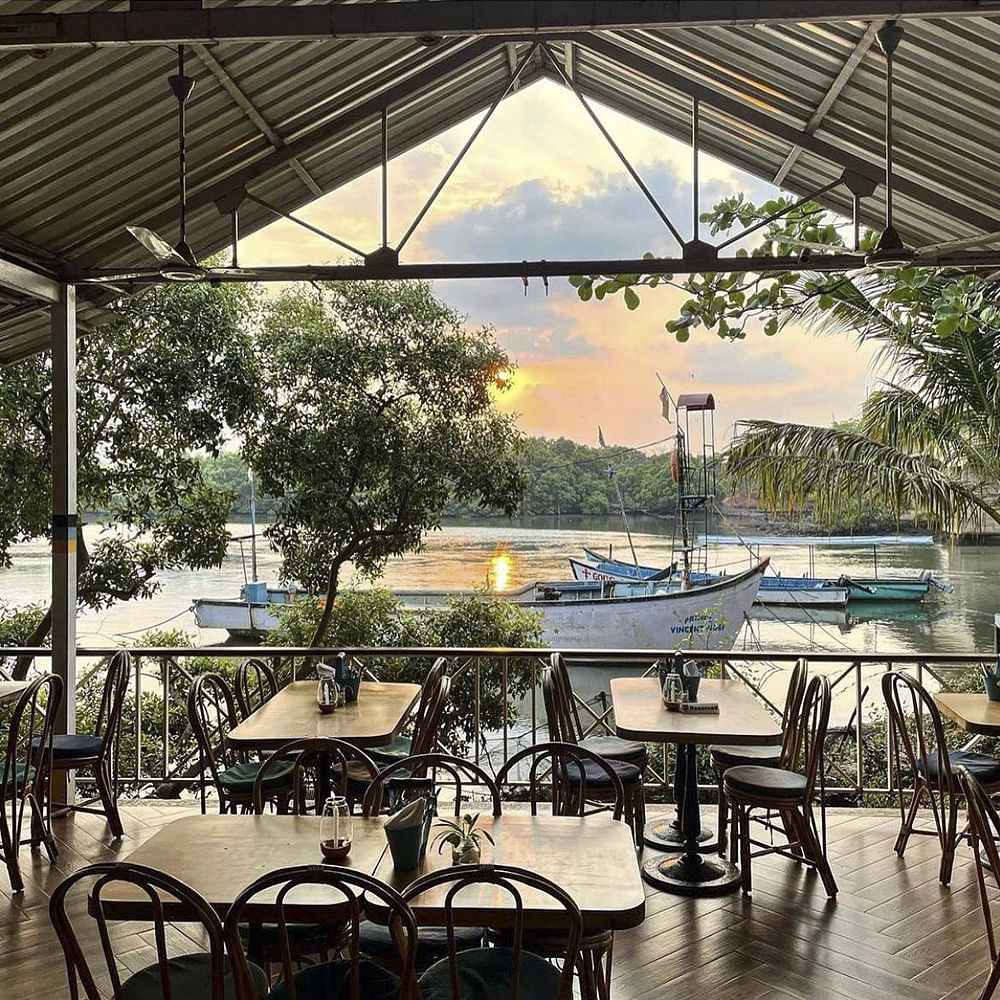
(890, 251)
(176, 263)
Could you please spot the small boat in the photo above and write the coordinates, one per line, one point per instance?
(774, 590)
(251, 616)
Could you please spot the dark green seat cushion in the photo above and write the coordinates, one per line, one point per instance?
(615, 748)
(17, 780)
(332, 981)
(73, 746)
(984, 768)
(485, 974)
(263, 940)
(190, 979)
(398, 749)
(727, 757)
(239, 779)
(596, 777)
(432, 942)
(770, 782)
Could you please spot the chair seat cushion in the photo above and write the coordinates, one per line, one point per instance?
(190, 979)
(239, 779)
(485, 974)
(264, 940)
(615, 748)
(735, 756)
(332, 981)
(398, 749)
(769, 782)
(17, 780)
(432, 942)
(596, 777)
(985, 769)
(73, 747)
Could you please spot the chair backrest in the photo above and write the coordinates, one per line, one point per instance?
(254, 684)
(416, 768)
(352, 892)
(513, 881)
(109, 715)
(790, 716)
(306, 757)
(27, 761)
(984, 833)
(433, 698)
(570, 719)
(804, 753)
(560, 715)
(212, 714)
(563, 774)
(158, 889)
(916, 736)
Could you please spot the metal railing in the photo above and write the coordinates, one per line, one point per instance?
(159, 757)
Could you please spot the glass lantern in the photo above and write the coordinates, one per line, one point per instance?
(336, 829)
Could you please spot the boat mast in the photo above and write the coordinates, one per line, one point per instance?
(253, 528)
(621, 499)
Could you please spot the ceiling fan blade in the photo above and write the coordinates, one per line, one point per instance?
(982, 240)
(156, 245)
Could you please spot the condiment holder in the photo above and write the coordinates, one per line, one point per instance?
(336, 830)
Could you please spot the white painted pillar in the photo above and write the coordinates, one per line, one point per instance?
(64, 516)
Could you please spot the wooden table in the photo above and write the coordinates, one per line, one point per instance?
(742, 721)
(11, 690)
(373, 720)
(974, 713)
(592, 858)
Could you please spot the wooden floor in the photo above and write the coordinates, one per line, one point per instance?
(893, 932)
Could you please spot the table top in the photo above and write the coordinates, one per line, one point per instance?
(972, 712)
(592, 857)
(219, 855)
(742, 720)
(373, 720)
(11, 690)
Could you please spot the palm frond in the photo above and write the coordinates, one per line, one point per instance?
(794, 465)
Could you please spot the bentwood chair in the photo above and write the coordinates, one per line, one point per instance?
(917, 743)
(212, 715)
(787, 790)
(390, 790)
(984, 834)
(313, 768)
(607, 745)
(508, 972)
(25, 773)
(98, 751)
(559, 712)
(725, 757)
(205, 975)
(569, 777)
(349, 894)
(253, 685)
(426, 719)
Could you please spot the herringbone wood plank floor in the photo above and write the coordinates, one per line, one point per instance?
(893, 932)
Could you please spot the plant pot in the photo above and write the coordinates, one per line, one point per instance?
(992, 684)
(404, 846)
(467, 853)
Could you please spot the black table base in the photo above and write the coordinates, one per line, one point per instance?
(691, 874)
(665, 835)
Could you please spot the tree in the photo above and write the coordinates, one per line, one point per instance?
(377, 409)
(927, 440)
(161, 378)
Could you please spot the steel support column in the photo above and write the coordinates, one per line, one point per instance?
(64, 515)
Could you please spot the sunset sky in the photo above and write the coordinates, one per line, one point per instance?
(540, 182)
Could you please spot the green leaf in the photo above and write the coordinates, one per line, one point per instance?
(631, 299)
(947, 326)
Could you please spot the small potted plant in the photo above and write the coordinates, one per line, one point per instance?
(464, 839)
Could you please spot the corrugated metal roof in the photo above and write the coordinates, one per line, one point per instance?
(88, 140)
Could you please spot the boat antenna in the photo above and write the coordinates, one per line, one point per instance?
(621, 499)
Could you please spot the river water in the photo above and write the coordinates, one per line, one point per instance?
(461, 555)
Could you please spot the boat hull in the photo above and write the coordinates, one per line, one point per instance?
(239, 618)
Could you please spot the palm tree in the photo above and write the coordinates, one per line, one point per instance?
(928, 439)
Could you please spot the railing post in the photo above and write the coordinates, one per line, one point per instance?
(858, 733)
(477, 709)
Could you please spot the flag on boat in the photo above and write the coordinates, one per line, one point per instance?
(665, 403)
(600, 437)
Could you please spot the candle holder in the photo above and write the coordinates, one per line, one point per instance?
(336, 829)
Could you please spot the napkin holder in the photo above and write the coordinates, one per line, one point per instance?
(405, 840)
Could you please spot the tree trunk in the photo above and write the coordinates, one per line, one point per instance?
(37, 638)
(331, 593)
